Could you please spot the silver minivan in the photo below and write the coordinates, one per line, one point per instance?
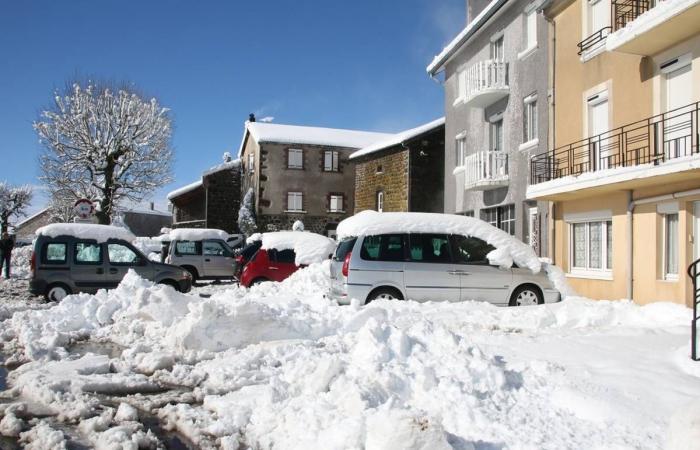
(206, 259)
(430, 267)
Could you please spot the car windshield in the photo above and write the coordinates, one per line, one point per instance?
(250, 249)
(344, 248)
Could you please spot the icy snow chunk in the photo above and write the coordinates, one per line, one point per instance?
(508, 248)
(11, 425)
(100, 233)
(43, 437)
(126, 413)
(393, 429)
(197, 234)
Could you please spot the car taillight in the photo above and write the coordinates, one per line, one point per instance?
(32, 264)
(346, 264)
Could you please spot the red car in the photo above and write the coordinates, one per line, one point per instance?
(269, 265)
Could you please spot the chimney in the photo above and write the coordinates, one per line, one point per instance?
(152, 206)
(251, 117)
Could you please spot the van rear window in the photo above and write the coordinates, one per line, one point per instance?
(344, 248)
(55, 253)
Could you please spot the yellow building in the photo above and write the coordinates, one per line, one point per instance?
(623, 172)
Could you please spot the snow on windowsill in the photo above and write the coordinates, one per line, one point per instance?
(335, 212)
(528, 51)
(529, 145)
(605, 276)
(459, 169)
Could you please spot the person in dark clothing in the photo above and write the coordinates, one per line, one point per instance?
(6, 246)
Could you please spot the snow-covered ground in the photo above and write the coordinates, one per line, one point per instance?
(279, 366)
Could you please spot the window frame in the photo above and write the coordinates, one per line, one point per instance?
(295, 195)
(666, 259)
(45, 253)
(453, 249)
(137, 262)
(404, 246)
(341, 197)
(295, 151)
(197, 249)
(335, 161)
(460, 149)
(251, 163)
(530, 119)
(87, 263)
(607, 265)
(501, 217)
(409, 254)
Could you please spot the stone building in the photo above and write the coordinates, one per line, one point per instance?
(211, 202)
(301, 173)
(496, 107)
(145, 222)
(26, 229)
(404, 172)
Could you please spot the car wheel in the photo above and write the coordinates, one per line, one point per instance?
(171, 283)
(192, 272)
(57, 292)
(384, 294)
(527, 295)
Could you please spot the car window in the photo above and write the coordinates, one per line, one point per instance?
(87, 253)
(431, 248)
(55, 253)
(386, 247)
(344, 248)
(470, 250)
(214, 248)
(121, 254)
(285, 256)
(250, 249)
(188, 248)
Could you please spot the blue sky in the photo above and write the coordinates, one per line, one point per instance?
(353, 64)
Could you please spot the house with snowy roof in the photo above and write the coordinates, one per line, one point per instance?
(212, 201)
(403, 173)
(496, 108)
(300, 173)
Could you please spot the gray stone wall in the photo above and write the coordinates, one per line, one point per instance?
(526, 76)
(223, 199)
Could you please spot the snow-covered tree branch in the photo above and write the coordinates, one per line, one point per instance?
(108, 145)
(14, 201)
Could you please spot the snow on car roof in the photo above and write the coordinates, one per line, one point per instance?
(100, 233)
(399, 138)
(294, 134)
(508, 248)
(197, 234)
(309, 247)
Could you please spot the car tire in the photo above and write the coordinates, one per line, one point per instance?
(56, 292)
(384, 293)
(526, 295)
(192, 272)
(170, 283)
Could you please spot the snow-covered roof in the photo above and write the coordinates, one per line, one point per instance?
(153, 212)
(471, 28)
(295, 134)
(185, 189)
(100, 233)
(399, 138)
(32, 217)
(508, 248)
(224, 166)
(197, 234)
(308, 247)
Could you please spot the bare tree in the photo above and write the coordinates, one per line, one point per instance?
(14, 201)
(62, 207)
(105, 144)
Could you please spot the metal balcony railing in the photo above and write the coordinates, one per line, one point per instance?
(594, 40)
(625, 11)
(486, 76)
(485, 169)
(654, 140)
(694, 275)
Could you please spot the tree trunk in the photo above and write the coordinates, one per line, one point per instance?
(104, 215)
(4, 226)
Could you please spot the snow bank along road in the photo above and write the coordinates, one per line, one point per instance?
(278, 366)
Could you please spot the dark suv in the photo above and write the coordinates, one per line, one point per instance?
(66, 264)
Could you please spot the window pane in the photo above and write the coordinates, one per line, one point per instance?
(470, 250)
(336, 203)
(294, 201)
(531, 28)
(608, 229)
(286, 256)
(55, 253)
(434, 248)
(213, 249)
(387, 247)
(121, 254)
(88, 253)
(579, 237)
(186, 248)
(596, 245)
(296, 159)
(672, 244)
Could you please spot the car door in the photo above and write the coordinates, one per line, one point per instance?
(282, 264)
(217, 259)
(189, 253)
(87, 270)
(120, 258)
(478, 279)
(429, 273)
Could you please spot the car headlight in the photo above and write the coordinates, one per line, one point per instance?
(186, 275)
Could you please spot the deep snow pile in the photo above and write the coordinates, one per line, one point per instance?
(279, 366)
(21, 261)
(508, 248)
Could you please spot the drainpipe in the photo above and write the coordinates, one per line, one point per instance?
(408, 177)
(631, 204)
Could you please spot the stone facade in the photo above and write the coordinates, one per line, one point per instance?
(25, 230)
(387, 172)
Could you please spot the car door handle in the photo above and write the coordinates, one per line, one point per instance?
(100, 271)
(113, 270)
(207, 260)
(458, 272)
(273, 268)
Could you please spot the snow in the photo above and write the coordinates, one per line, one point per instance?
(100, 233)
(472, 27)
(399, 138)
(309, 247)
(185, 189)
(43, 437)
(234, 164)
(508, 248)
(197, 234)
(21, 260)
(294, 134)
(659, 13)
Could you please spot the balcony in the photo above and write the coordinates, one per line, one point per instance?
(485, 83)
(647, 27)
(627, 157)
(485, 170)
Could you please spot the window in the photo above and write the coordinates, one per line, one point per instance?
(213, 248)
(387, 247)
(598, 16)
(251, 163)
(86, 253)
(461, 85)
(380, 201)
(496, 50)
(188, 248)
(336, 203)
(331, 161)
(591, 246)
(530, 118)
(282, 256)
(531, 29)
(430, 248)
(122, 255)
(295, 201)
(55, 253)
(502, 217)
(344, 248)
(671, 246)
(460, 151)
(470, 250)
(380, 169)
(496, 135)
(295, 158)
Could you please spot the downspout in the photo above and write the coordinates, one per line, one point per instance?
(631, 204)
(551, 220)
